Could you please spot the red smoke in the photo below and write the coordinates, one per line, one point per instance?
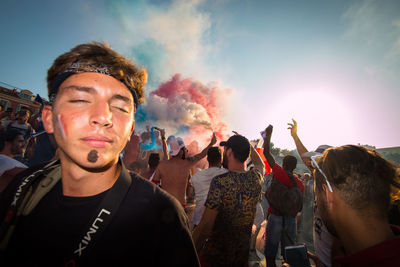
(185, 108)
(195, 95)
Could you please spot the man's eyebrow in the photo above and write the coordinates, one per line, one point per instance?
(80, 88)
(121, 97)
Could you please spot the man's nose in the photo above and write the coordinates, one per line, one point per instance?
(101, 115)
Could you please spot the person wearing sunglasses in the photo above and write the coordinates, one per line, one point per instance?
(353, 187)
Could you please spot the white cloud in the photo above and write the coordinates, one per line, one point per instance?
(374, 28)
(178, 28)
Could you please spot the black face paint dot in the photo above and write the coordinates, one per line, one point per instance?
(92, 156)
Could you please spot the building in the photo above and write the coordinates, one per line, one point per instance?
(17, 98)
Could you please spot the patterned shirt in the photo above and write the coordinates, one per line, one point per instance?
(234, 195)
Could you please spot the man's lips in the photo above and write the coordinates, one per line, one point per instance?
(97, 141)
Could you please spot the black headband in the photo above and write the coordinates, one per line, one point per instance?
(58, 80)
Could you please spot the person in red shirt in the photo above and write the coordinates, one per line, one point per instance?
(353, 187)
(280, 229)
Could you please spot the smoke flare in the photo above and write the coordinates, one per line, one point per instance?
(187, 108)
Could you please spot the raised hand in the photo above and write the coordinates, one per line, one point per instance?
(293, 128)
(213, 140)
(268, 130)
(162, 132)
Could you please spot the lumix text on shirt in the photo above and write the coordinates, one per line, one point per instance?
(92, 231)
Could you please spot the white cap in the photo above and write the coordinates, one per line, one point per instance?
(318, 151)
(175, 145)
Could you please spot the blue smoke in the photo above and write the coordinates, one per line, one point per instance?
(153, 145)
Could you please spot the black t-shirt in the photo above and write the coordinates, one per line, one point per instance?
(150, 228)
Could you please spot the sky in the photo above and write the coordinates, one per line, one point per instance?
(220, 66)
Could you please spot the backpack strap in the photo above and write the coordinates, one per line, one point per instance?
(291, 176)
(152, 176)
(45, 185)
(21, 199)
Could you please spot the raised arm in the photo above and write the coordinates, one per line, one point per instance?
(267, 144)
(301, 149)
(164, 144)
(203, 153)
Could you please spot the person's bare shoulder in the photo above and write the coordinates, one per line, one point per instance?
(162, 162)
(164, 165)
(190, 164)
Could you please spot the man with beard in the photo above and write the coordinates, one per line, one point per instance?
(175, 172)
(353, 187)
(86, 209)
(230, 207)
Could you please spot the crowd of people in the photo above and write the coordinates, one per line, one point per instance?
(69, 196)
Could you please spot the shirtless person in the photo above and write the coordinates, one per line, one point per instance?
(175, 172)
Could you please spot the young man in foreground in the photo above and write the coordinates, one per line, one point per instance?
(86, 209)
(353, 187)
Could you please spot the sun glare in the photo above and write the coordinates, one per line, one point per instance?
(322, 117)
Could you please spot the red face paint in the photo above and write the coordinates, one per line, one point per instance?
(133, 127)
(61, 125)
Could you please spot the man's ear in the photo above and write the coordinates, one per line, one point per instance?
(47, 119)
(229, 153)
(330, 198)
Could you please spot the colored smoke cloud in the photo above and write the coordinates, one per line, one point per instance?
(169, 38)
(187, 108)
(166, 37)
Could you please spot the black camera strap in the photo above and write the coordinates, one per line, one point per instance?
(101, 217)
